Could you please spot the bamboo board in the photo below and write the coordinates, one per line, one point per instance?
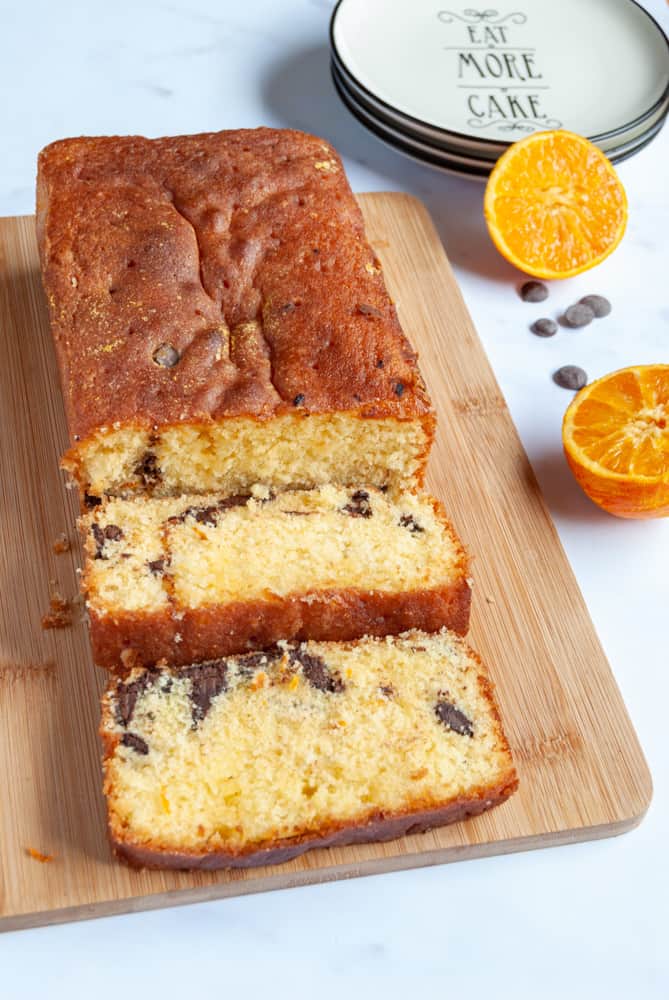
(582, 772)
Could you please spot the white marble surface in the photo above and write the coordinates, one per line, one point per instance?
(582, 921)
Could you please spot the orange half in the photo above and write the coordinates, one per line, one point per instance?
(554, 205)
(616, 439)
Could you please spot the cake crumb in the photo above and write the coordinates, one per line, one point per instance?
(60, 615)
(38, 856)
(61, 544)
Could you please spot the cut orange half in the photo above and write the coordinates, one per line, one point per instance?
(554, 205)
(616, 439)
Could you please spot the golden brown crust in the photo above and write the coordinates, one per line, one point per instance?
(222, 630)
(244, 251)
(376, 827)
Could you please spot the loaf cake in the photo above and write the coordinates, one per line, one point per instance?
(193, 578)
(220, 319)
(255, 759)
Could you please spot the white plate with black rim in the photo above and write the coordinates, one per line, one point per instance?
(440, 158)
(471, 81)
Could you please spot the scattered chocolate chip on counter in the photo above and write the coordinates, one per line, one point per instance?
(62, 544)
(599, 305)
(533, 291)
(544, 327)
(570, 377)
(578, 315)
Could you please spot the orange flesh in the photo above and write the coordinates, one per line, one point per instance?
(616, 437)
(554, 205)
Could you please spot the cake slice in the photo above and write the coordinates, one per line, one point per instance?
(220, 319)
(255, 759)
(195, 578)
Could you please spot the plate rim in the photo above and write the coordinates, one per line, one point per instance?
(599, 137)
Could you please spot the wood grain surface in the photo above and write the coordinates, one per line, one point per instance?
(582, 772)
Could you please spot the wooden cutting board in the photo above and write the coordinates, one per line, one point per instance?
(582, 772)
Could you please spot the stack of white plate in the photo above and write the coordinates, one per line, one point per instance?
(454, 86)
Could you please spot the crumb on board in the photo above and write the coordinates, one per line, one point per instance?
(61, 544)
(490, 600)
(60, 615)
(38, 856)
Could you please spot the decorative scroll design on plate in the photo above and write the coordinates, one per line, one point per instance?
(470, 16)
(518, 125)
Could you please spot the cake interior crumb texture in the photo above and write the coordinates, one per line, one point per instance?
(232, 455)
(246, 753)
(146, 554)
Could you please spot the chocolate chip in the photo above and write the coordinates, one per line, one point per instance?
(398, 388)
(250, 662)
(387, 689)
(367, 310)
(408, 521)
(599, 305)
(156, 566)
(237, 500)
(166, 355)
(533, 291)
(379, 363)
(135, 743)
(299, 399)
(127, 696)
(578, 315)
(359, 505)
(208, 680)
(453, 718)
(287, 307)
(570, 377)
(148, 470)
(90, 501)
(317, 672)
(99, 537)
(544, 327)
(113, 533)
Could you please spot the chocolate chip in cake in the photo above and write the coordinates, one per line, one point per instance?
(208, 680)
(166, 356)
(316, 671)
(127, 696)
(387, 690)
(570, 377)
(248, 663)
(359, 505)
(156, 566)
(578, 315)
(299, 399)
(287, 307)
(533, 291)
(370, 311)
(99, 538)
(409, 522)
(135, 743)
(599, 305)
(148, 469)
(398, 388)
(90, 501)
(453, 718)
(237, 500)
(544, 327)
(379, 363)
(113, 533)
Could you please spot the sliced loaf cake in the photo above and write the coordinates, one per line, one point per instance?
(195, 578)
(254, 759)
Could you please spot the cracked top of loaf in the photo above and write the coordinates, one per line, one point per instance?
(215, 275)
